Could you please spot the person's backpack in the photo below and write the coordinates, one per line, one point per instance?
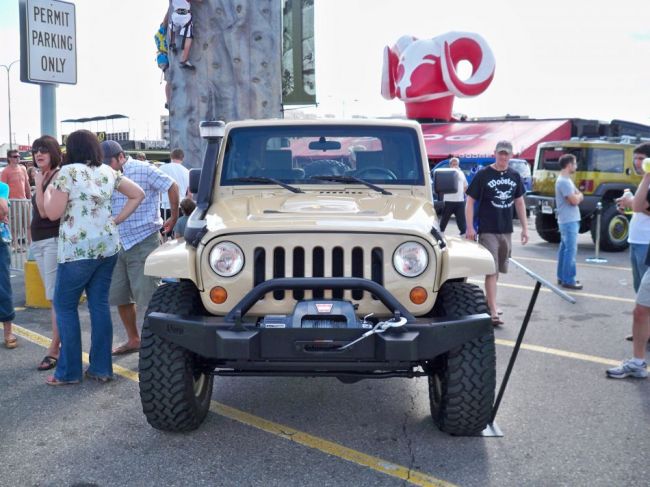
(160, 38)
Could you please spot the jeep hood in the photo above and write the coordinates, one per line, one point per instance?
(397, 213)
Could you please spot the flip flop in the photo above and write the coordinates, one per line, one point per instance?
(125, 349)
(11, 341)
(496, 321)
(99, 378)
(47, 363)
(53, 381)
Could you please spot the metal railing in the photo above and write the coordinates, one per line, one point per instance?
(20, 219)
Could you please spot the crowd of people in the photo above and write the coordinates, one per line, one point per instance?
(496, 189)
(96, 217)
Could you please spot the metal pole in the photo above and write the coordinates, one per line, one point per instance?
(597, 259)
(48, 110)
(8, 69)
(515, 352)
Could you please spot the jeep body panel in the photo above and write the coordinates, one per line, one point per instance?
(332, 228)
(172, 259)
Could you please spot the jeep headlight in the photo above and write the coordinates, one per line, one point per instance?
(410, 259)
(226, 259)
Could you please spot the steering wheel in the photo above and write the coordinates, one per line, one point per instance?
(386, 173)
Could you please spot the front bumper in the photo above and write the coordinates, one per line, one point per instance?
(231, 342)
(213, 338)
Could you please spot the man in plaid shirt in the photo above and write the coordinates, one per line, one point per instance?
(139, 235)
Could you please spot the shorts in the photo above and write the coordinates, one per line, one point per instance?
(44, 252)
(181, 25)
(643, 295)
(500, 246)
(129, 284)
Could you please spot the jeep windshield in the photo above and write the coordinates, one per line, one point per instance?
(589, 159)
(322, 154)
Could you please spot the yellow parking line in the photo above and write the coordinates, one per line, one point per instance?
(573, 293)
(580, 264)
(45, 342)
(559, 353)
(330, 448)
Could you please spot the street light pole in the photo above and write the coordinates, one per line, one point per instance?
(8, 69)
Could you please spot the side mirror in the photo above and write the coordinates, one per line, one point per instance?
(195, 177)
(445, 181)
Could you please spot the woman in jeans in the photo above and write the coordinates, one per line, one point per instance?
(46, 154)
(7, 313)
(87, 250)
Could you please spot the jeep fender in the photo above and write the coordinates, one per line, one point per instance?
(463, 258)
(173, 259)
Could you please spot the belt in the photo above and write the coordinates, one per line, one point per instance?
(182, 11)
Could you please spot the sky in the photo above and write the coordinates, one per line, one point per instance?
(554, 58)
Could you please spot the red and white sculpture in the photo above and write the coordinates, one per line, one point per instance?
(422, 72)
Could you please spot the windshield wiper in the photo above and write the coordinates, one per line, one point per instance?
(259, 179)
(351, 179)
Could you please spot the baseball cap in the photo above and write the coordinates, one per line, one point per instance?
(504, 146)
(110, 149)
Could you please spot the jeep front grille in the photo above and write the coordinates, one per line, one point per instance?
(318, 262)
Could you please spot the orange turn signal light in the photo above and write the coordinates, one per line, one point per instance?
(218, 295)
(418, 295)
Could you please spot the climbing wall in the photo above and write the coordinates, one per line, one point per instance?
(237, 51)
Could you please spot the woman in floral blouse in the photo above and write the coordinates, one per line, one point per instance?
(87, 251)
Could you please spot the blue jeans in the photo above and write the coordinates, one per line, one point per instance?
(566, 255)
(637, 257)
(93, 275)
(6, 298)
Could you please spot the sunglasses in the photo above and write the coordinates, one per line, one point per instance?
(42, 150)
(13, 157)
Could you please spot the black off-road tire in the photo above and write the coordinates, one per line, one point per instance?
(614, 229)
(175, 390)
(462, 381)
(546, 226)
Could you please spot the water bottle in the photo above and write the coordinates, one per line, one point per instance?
(627, 193)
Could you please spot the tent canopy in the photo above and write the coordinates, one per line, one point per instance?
(478, 139)
(94, 119)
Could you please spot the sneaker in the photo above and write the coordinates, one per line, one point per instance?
(628, 369)
(187, 65)
(577, 286)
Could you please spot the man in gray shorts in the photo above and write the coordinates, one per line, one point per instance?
(496, 188)
(637, 366)
(139, 236)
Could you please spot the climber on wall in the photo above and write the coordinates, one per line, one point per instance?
(180, 26)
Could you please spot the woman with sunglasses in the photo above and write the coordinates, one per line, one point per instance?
(87, 251)
(46, 155)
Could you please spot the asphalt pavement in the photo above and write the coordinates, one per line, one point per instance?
(564, 422)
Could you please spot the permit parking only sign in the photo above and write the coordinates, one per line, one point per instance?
(48, 42)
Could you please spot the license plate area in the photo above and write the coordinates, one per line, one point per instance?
(547, 209)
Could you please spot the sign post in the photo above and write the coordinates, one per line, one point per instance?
(48, 46)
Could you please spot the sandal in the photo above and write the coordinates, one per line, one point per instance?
(124, 349)
(496, 321)
(47, 363)
(99, 378)
(11, 341)
(53, 381)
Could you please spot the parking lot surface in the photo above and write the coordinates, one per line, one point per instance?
(564, 422)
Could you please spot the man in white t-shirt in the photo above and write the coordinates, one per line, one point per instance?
(178, 173)
(455, 202)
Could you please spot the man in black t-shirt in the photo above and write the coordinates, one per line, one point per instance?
(496, 189)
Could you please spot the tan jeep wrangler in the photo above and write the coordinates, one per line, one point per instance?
(315, 251)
